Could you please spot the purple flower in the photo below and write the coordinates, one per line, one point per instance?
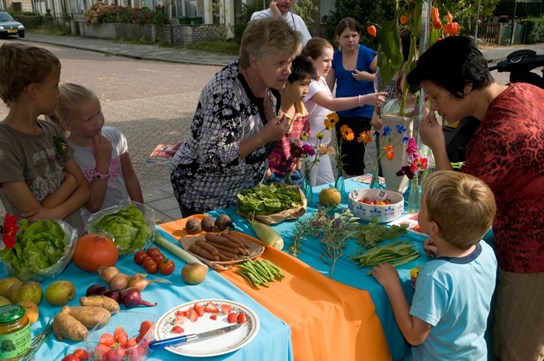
(406, 171)
(308, 150)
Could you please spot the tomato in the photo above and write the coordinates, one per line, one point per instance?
(81, 354)
(167, 266)
(151, 266)
(147, 261)
(139, 257)
(371, 30)
(153, 251)
(159, 258)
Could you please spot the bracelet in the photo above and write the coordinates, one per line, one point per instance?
(359, 99)
(101, 176)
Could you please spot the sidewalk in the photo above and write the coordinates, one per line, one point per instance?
(161, 197)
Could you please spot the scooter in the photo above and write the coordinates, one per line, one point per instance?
(520, 64)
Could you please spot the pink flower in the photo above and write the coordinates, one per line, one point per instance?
(411, 148)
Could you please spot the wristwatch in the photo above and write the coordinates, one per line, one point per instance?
(100, 175)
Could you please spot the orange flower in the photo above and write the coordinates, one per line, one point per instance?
(452, 28)
(331, 120)
(389, 152)
(364, 137)
(403, 19)
(347, 133)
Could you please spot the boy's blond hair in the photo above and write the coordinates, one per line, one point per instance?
(22, 65)
(71, 96)
(266, 36)
(462, 205)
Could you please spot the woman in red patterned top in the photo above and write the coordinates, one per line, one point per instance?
(507, 152)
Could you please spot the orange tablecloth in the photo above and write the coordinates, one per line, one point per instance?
(328, 320)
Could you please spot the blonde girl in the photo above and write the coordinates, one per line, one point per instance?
(101, 152)
(319, 102)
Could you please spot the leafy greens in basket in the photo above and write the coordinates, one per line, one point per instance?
(127, 226)
(39, 245)
(268, 199)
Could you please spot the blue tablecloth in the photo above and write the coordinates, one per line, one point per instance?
(346, 271)
(167, 297)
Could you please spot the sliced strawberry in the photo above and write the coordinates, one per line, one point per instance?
(199, 309)
(213, 317)
(192, 315)
(231, 318)
(226, 309)
(177, 329)
(180, 320)
(211, 307)
(242, 318)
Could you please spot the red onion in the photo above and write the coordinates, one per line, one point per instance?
(131, 297)
(114, 294)
(96, 290)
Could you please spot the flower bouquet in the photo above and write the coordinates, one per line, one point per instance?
(416, 163)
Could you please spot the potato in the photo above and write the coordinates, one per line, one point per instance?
(89, 316)
(66, 326)
(100, 301)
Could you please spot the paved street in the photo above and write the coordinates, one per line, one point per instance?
(150, 93)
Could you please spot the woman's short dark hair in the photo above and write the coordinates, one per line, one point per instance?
(452, 63)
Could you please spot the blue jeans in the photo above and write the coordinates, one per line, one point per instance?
(296, 178)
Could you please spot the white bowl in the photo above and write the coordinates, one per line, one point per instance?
(367, 212)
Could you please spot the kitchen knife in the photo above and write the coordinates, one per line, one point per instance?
(172, 341)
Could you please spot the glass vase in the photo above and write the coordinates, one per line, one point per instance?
(308, 191)
(375, 181)
(340, 184)
(413, 195)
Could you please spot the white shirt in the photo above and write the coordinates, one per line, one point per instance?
(293, 20)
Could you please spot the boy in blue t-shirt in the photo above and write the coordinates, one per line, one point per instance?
(448, 316)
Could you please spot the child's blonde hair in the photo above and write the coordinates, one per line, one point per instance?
(22, 65)
(462, 205)
(71, 95)
(315, 47)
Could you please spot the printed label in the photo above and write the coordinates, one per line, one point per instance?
(15, 344)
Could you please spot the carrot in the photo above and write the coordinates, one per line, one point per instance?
(208, 247)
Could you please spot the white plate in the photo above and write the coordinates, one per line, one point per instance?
(212, 346)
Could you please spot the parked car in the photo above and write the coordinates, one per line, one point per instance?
(8, 26)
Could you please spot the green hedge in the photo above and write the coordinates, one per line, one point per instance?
(534, 32)
(29, 20)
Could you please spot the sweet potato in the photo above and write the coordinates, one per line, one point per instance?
(66, 326)
(196, 249)
(89, 316)
(100, 301)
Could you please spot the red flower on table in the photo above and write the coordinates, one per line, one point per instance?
(9, 231)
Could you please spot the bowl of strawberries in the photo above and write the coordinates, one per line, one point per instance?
(367, 204)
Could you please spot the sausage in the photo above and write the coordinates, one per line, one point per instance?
(241, 244)
(208, 247)
(225, 247)
(219, 238)
(226, 252)
(196, 249)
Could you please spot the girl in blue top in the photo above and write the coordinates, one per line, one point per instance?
(448, 316)
(353, 70)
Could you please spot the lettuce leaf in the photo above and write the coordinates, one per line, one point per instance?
(128, 227)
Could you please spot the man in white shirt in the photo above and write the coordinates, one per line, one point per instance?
(281, 8)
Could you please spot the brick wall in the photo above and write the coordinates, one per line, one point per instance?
(181, 35)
